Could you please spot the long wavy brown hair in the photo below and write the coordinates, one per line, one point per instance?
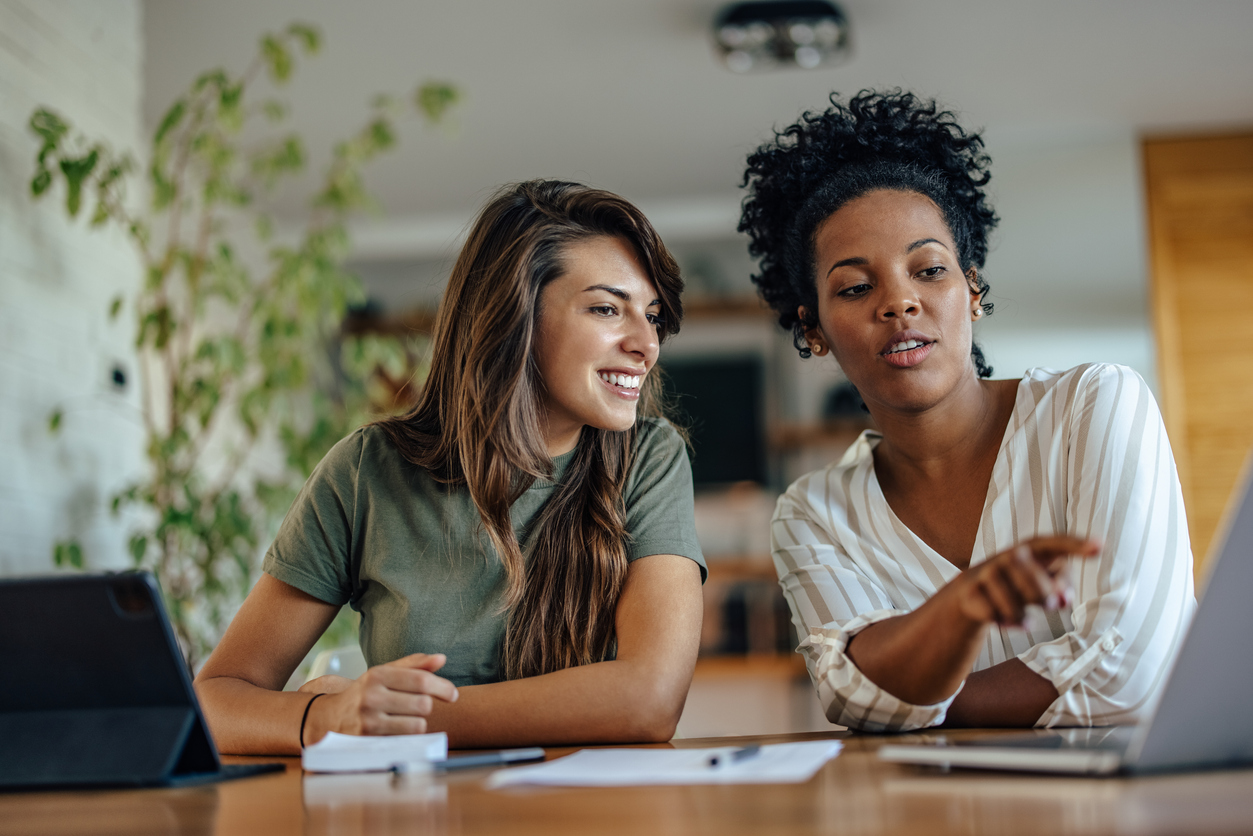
(477, 421)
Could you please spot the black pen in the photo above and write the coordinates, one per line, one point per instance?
(502, 757)
(734, 756)
(497, 758)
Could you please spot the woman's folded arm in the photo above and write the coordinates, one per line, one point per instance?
(636, 697)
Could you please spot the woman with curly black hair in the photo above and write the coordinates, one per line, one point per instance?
(999, 552)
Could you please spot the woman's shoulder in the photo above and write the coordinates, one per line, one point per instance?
(1086, 382)
(365, 453)
(821, 491)
(657, 437)
(343, 460)
(1087, 373)
(658, 459)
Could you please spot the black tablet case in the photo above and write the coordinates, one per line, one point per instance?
(94, 691)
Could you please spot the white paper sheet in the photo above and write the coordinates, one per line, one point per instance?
(351, 753)
(779, 763)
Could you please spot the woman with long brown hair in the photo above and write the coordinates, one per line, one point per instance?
(526, 530)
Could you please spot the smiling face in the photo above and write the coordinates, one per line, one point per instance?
(893, 304)
(596, 340)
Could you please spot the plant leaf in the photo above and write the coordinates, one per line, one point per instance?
(381, 135)
(138, 548)
(76, 173)
(40, 182)
(68, 553)
(217, 78)
(49, 126)
(163, 191)
(54, 420)
(230, 114)
(310, 37)
(434, 99)
(277, 58)
(170, 121)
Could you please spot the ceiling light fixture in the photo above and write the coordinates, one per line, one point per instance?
(781, 33)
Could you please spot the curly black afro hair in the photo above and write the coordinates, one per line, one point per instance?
(891, 140)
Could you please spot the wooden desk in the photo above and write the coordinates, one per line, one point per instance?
(853, 794)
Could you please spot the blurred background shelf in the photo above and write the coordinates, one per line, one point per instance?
(748, 679)
(751, 694)
(726, 307)
(784, 666)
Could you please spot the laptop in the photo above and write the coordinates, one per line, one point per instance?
(1203, 719)
(94, 691)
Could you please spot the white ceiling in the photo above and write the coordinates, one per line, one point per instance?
(627, 95)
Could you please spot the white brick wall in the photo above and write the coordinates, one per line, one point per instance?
(57, 346)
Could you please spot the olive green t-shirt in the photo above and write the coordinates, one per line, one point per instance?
(411, 555)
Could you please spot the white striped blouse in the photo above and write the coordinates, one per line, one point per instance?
(1085, 453)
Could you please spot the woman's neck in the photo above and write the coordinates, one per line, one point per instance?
(959, 432)
(561, 443)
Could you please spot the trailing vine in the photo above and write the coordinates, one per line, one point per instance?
(238, 330)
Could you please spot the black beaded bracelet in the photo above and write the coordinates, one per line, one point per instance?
(305, 718)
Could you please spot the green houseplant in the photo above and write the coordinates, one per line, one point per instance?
(238, 330)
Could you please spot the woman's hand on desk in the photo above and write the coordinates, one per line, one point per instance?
(999, 590)
(396, 698)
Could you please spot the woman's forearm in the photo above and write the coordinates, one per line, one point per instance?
(608, 702)
(921, 657)
(1008, 695)
(636, 698)
(247, 719)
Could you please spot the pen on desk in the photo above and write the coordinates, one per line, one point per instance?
(503, 757)
(735, 756)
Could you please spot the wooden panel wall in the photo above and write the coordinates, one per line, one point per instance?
(1200, 199)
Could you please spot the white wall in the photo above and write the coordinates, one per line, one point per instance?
(57, 345)
(1068, 267)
